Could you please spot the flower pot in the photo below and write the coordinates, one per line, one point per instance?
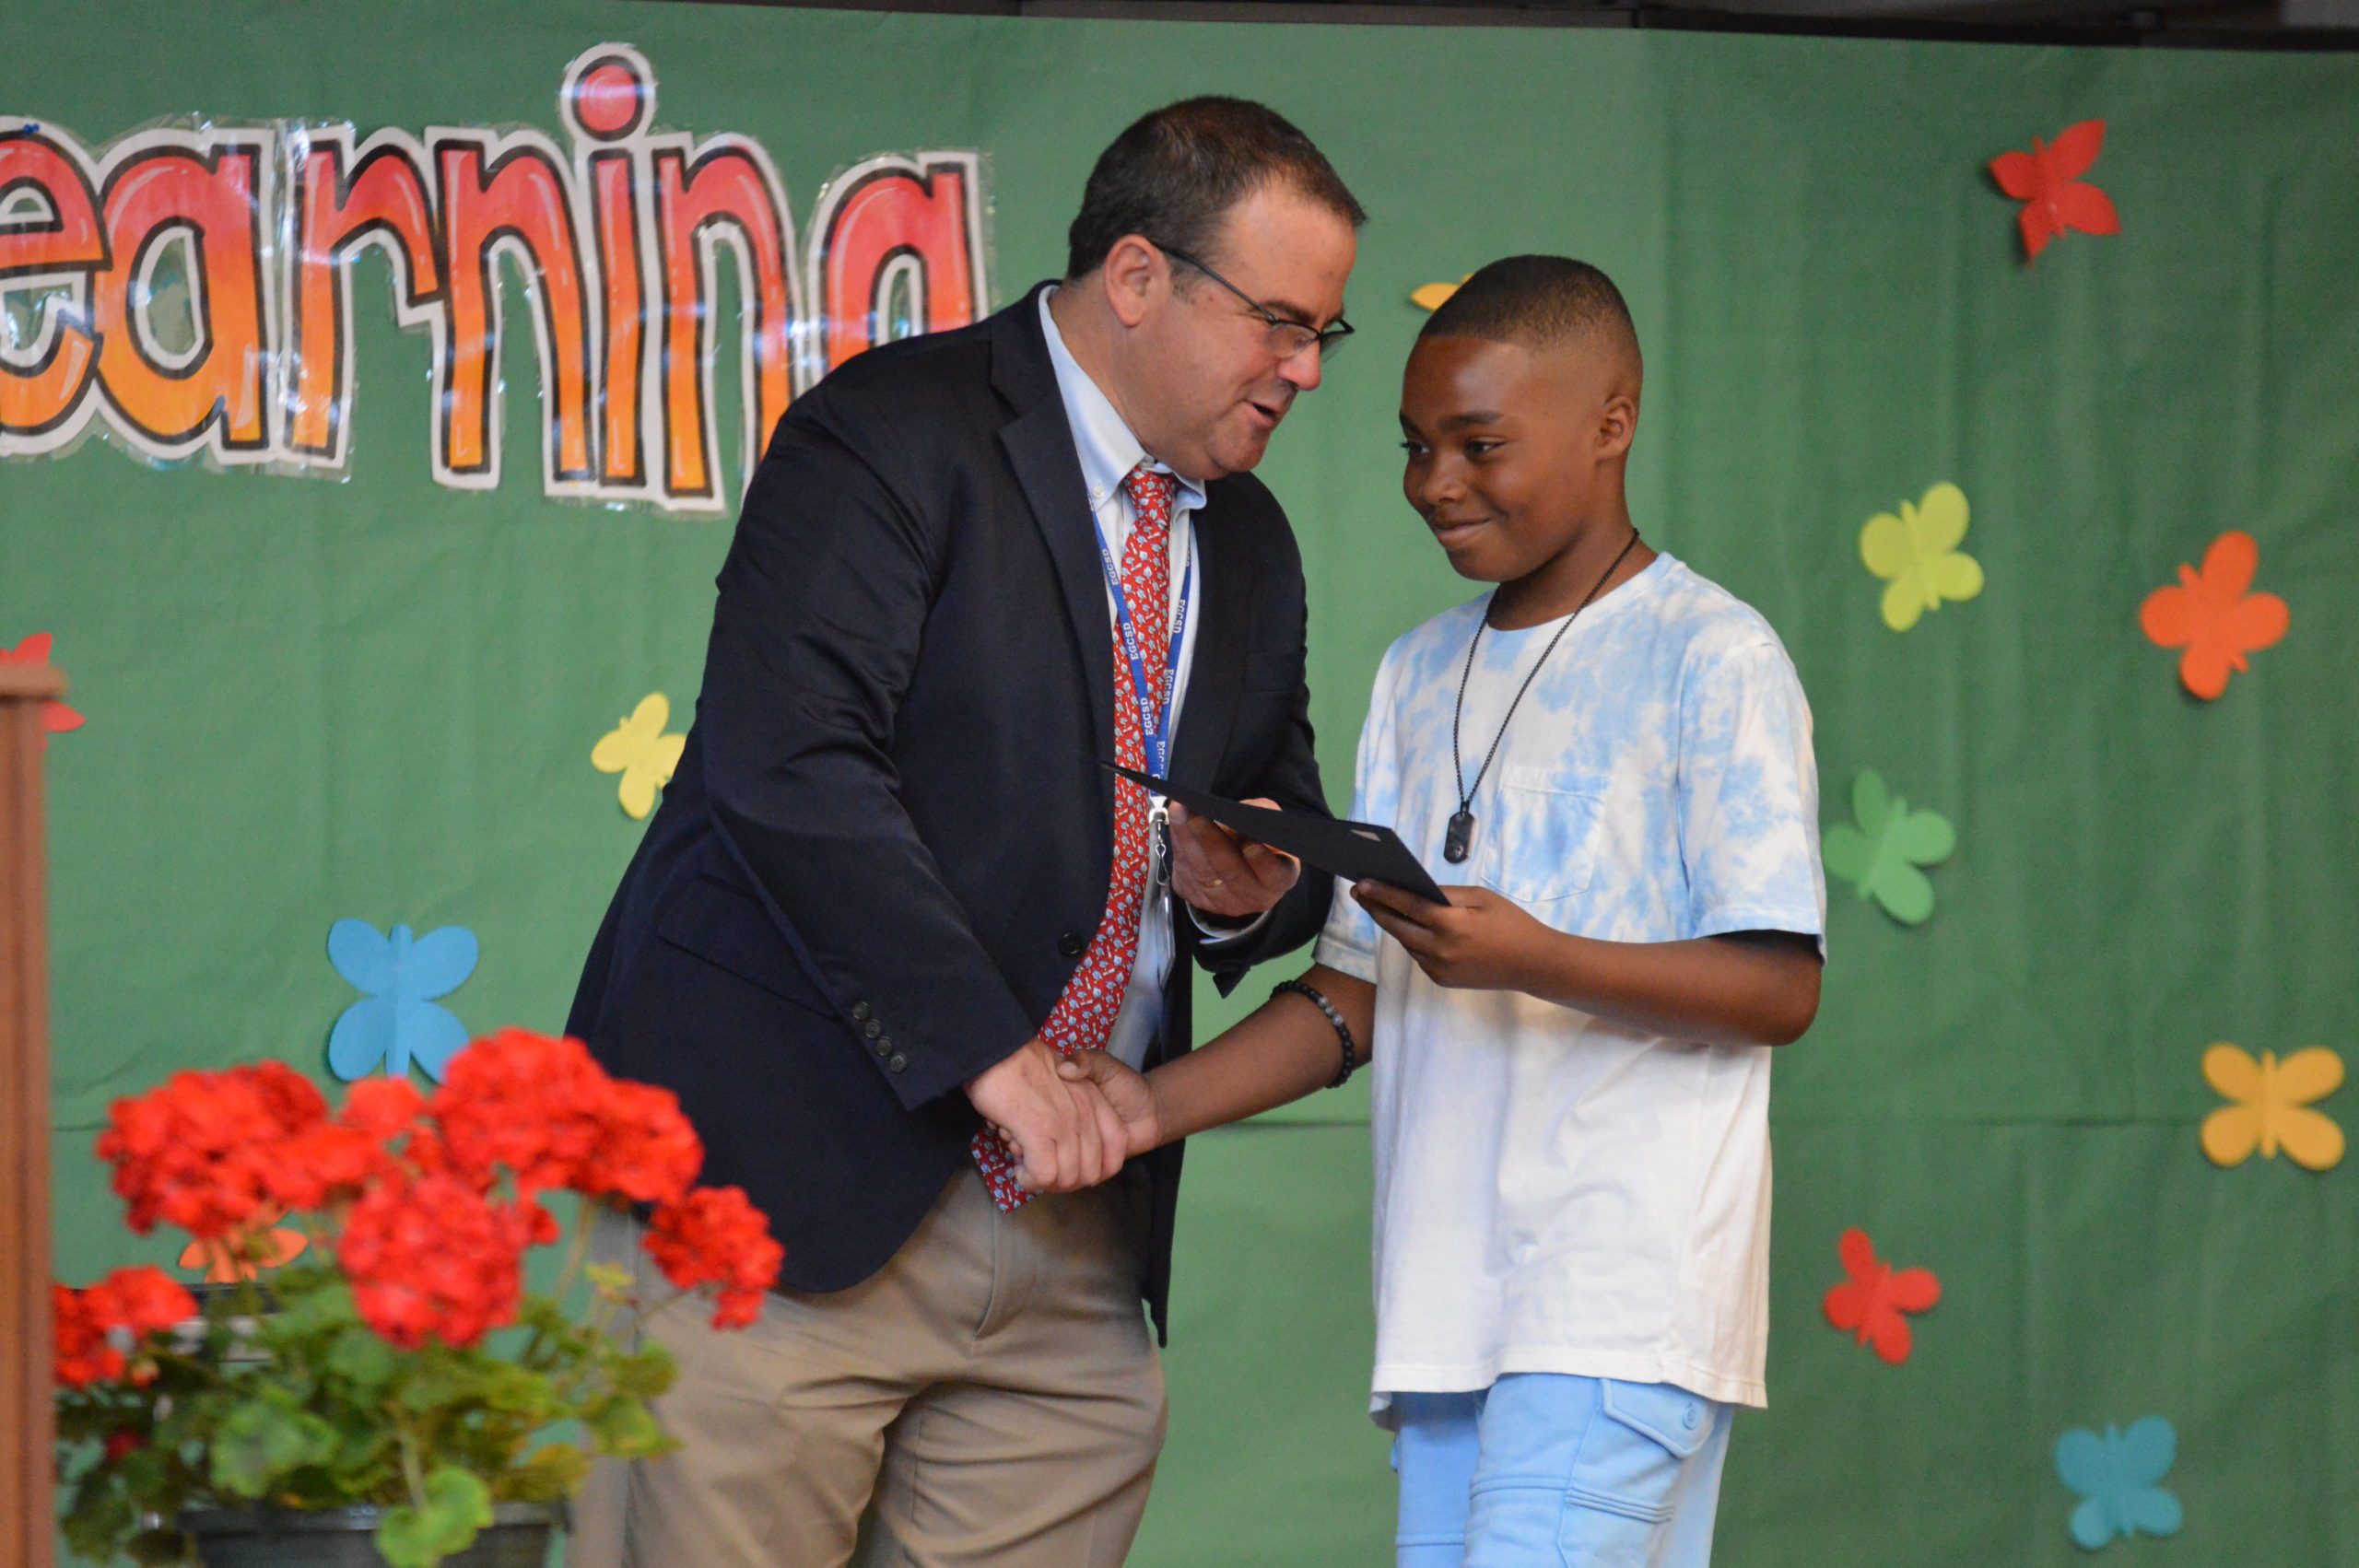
(518, 1537)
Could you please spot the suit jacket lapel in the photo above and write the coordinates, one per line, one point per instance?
(1039, 447)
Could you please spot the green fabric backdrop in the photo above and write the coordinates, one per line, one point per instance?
(312, 699)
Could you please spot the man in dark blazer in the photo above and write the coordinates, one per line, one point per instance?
(890, 886)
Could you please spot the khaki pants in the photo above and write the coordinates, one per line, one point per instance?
(989, 1400)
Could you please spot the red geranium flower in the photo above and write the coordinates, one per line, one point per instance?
(542, 1110)
(145, 1299)
(540, 1226)
(433, 1258)
(714, 1236)
(646, 1151)
(139, 1300)
(206, 1151)
(323, 1165)
(382, 1108)
(524, 1103)
(80, 1353)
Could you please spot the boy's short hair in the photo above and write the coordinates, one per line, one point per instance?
(1175, 173)
(1538, 301)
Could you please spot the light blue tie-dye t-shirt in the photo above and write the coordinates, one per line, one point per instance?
(1555, 1192)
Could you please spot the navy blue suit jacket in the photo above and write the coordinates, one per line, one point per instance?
(888, 840)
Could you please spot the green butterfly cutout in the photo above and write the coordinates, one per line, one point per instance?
(1880, 856)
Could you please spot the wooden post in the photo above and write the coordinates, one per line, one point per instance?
(27, 1515)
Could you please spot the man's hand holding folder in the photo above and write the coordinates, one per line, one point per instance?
(1225, 876)
(1355, 852)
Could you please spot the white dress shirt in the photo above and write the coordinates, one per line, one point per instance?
(1108, 451)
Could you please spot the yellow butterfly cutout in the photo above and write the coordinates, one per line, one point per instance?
(1431, 296)
(639, 750)
(1917, 555)
(2272, 1106)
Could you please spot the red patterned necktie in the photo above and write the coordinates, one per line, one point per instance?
(1083, 1019)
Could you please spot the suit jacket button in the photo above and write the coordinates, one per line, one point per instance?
(859, 1011)
(898, 1062)
(1070, 945)
(875, 1029)
(884, 1047)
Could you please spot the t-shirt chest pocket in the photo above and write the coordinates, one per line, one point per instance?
(1540, 844)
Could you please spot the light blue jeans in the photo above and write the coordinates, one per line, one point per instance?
(1542, 1470)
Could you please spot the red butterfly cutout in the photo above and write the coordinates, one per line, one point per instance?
(2210, 615)
(55, 717)
(1871, 1306)
(2048, 180)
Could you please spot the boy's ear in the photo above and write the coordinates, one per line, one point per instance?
(1617, 425)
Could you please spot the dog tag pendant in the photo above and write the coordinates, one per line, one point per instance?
(1460, 840)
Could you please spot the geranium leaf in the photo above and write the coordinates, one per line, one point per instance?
(259, 1443)
(435, 1383)
(644, 1375)
(365, 1443)
(551, 1475)
(625, 1428)
(458, 1505)
(142, 1471)
(361, 1359)
(514, 1390)
(96, 1524)
(543, 1316)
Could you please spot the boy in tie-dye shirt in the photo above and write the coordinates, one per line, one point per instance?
(1610, 756)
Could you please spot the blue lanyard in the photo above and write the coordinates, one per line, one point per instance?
(1155, 723)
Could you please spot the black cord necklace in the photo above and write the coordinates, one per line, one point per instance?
(1459, 843)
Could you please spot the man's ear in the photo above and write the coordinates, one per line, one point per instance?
(1617, 425)
(1132, 275)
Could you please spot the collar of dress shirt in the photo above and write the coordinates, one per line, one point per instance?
(1108, 451)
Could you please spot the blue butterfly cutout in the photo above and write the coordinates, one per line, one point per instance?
(2120, 1475)
(398, 1023)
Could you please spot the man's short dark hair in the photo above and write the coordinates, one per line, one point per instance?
(1175, 173)
(1539, 301)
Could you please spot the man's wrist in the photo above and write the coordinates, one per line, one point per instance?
(1022, 1046)
(1218, 928)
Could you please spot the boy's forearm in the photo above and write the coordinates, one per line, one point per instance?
(1747, 988)
(1282, 1051)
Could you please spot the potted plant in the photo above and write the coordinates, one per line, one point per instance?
(395, 1391)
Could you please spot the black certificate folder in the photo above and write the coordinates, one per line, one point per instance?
(1356, 851)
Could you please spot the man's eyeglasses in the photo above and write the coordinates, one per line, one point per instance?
(1286, 338)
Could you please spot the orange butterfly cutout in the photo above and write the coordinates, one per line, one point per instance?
(2210, 615)
(2048, 180)
(1872, 1304)
(236, 1258)
(55, 717)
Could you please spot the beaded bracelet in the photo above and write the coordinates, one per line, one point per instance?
(1335, 1019)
